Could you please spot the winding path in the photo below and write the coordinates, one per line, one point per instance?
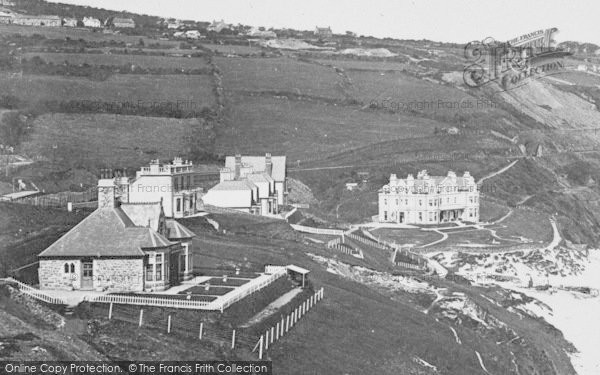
(500, 171)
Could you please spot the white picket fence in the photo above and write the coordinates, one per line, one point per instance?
(366, 241)
(245, 290)
(152, 301)
(280, 329)
(219, 304)
(35, 293)
(305, 229)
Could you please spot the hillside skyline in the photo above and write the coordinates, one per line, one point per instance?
(402, 19)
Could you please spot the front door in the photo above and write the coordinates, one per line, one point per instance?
(87, 275)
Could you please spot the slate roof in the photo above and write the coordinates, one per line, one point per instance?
(259, 165)
(177, 231)
(142, 214)
(234, 185)
(107, 232)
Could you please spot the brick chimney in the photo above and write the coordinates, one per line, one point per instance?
(238, 165)
(268, 164)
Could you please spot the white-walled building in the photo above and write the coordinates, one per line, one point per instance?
(429, 199)
(173, 183)
(253, 184)
(91, 22)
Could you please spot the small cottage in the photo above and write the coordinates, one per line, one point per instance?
(119, 247)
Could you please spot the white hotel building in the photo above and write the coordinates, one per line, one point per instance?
(172, 183)
(429, 199)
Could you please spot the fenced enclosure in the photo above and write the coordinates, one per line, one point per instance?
(218, 304)
(196, 325)
(276, 332)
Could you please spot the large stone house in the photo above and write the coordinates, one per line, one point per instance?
(176, 184)
(323, 32)
(253, 184)
(119, 247)
(429, 199)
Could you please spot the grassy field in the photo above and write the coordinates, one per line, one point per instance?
(191, 92)
(403, 93)
(80, 33)
(234, 49)
(302, 129)
(122, 59)
(350, 65)
(27, 230)
(415, 237)
(118, 141)
(279, 75)
(490, 211)
(528, 224)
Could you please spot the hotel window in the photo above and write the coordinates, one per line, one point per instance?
(475, 199)
(470, 199)
(385, 202)
(178, 204)
(188, 182)
(454, 199)
(149, 272)
(420, 216)
(72, 268)
(384, 215)
(66, 267)
(420, 202)
(406, 202)
(397, 202)
(471, 213)
(158, 265)
(430, 203)
(182, 263)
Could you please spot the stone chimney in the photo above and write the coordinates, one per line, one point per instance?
(268, 164)
(106, 190)
(122, 186)
(154, 166)
(238, 165)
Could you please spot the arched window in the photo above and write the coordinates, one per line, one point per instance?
(72, 268)
(66, 267)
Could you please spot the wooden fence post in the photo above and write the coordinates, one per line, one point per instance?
(277, 331)
(233, 340)
(169, 324)
(201, 329)
(260, 347)
(287, 324)
(267, 340)
(282, 321)
(272, 334)
(141, 316)
(110, 311)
